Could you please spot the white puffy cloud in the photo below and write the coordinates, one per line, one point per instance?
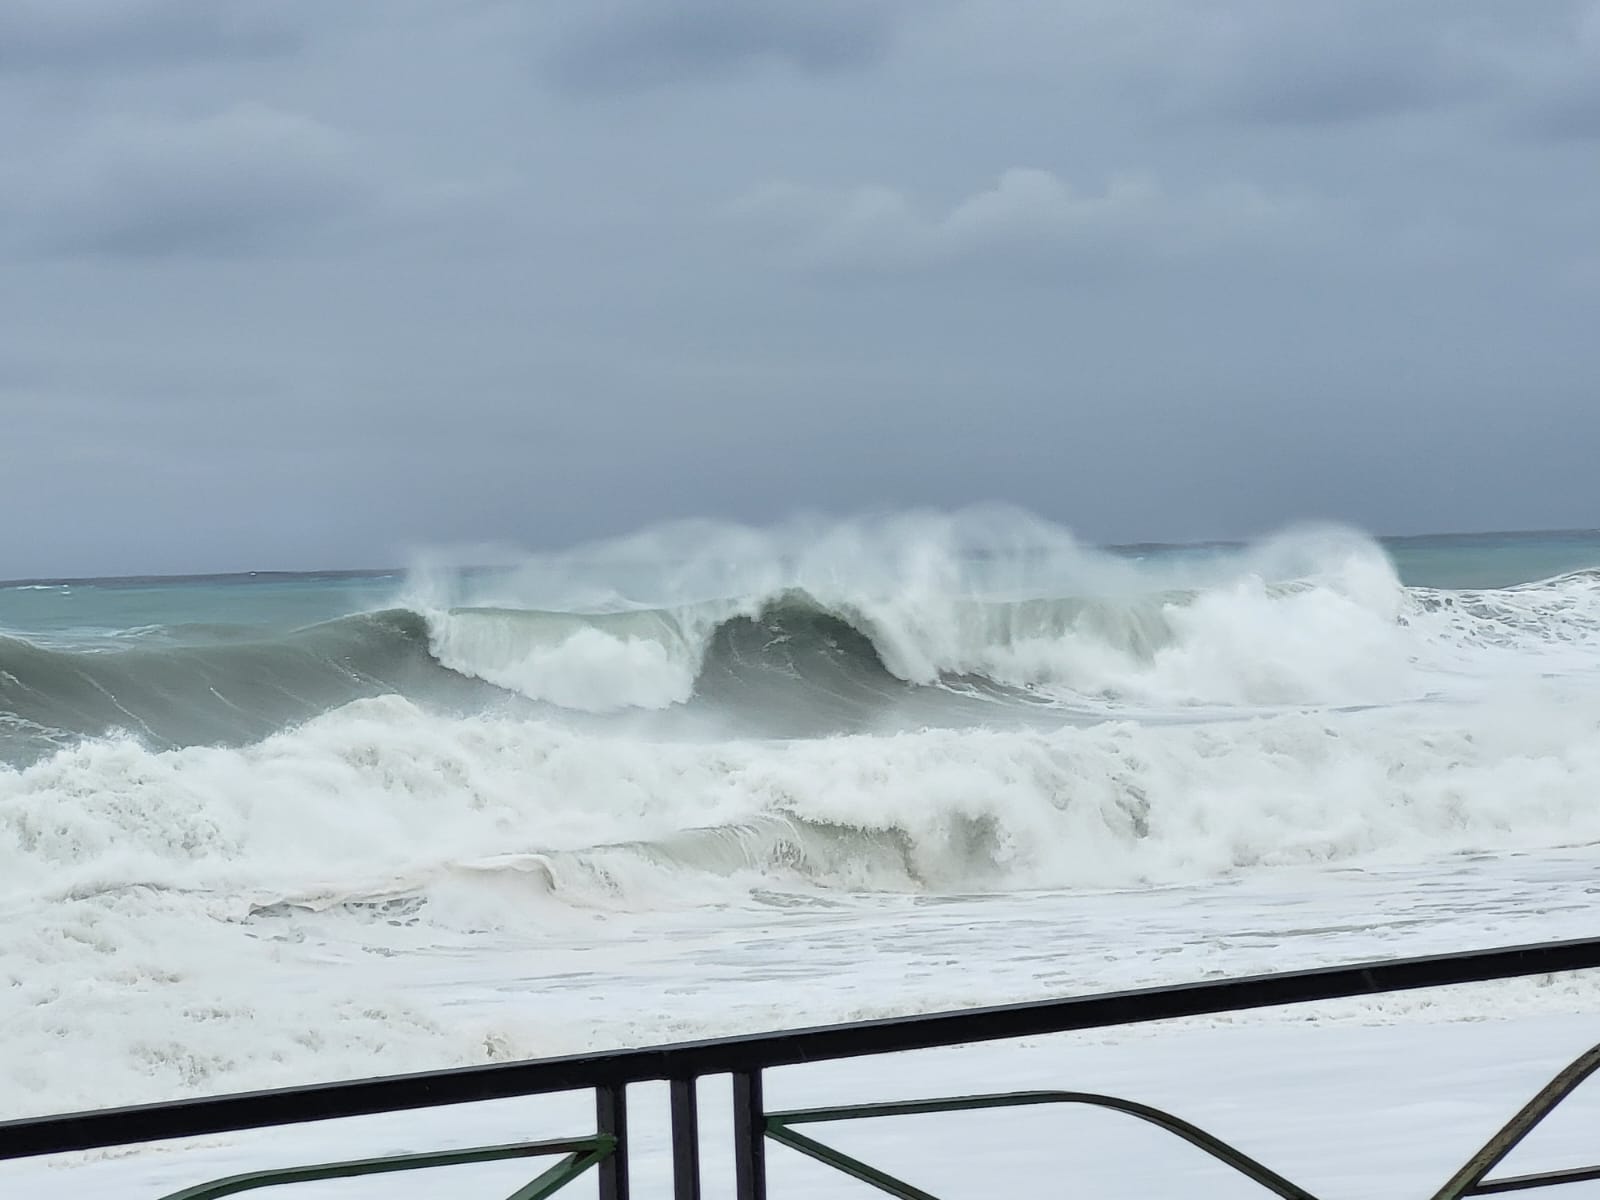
(1028, 219)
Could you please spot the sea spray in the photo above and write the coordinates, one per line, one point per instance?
(263, 832)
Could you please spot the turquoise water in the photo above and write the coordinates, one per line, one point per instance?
(119, 609)
(114, 608)
(1492, 560)
(872, 628)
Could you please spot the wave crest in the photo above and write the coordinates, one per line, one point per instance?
(859, 628)
(1347, 637)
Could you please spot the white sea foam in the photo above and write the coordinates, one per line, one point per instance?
(388, 889)
(1316, 617)
(383, 791)
(598, 665)
(1306, 762)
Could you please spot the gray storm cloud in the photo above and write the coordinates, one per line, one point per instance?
(311, 284)
(630, 45)
(118, 35)
(243, 180)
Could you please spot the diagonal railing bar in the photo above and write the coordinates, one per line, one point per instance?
(1470, 1181)
(580, 1154)
(849, 1165)
(778, 1128)
(558, 1176)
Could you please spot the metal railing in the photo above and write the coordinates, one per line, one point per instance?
(745, 1058)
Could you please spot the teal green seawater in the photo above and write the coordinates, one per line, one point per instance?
(807, 644)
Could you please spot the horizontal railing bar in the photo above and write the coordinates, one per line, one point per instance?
(913, 1108)
(753, 1052)
(1518, 1183)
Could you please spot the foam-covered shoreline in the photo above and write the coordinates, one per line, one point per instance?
(275, 832)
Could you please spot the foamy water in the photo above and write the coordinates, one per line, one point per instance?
(708, 779)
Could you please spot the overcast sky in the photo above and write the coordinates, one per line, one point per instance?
(308, 283)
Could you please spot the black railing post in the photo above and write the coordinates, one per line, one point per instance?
(685, 1141)
(611, 1119)
(749, 1136)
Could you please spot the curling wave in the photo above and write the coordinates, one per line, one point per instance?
(799, 661)
(1358, 637)
(223, 686)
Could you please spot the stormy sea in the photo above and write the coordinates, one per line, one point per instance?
(263, 829)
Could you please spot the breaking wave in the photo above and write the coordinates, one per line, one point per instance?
(505, 766)
(829, 658)
(382, 799)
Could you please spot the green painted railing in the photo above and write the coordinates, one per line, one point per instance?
(780, 1128)
(745, 1059)
(578, 1156)
(1469, 1181)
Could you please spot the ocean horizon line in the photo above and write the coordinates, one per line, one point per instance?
(369, 573)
